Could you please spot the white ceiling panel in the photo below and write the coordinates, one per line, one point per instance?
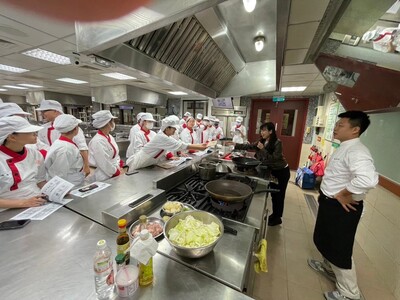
(296, 83)
(300, 36)
(300, 77)
(300, 69)
(28, 62)
(9, 46)
(22, 33)
(44, 24)
(318, 83)
(60, 47)
(320, 77)
(302, 11)
(295, 57)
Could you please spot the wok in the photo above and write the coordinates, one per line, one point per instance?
(232, 190)
(246, 162)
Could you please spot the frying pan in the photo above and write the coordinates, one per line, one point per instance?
(245, 162)
(231, 190)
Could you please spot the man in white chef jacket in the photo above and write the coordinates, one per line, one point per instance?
(154, 151)
(51, 109)
(182, 122)
(219, 132)
(103, 150)
(238, 131)
(64, 158)
(12, 109)
(143, 135)
(22, 172)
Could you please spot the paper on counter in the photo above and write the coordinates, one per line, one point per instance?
(212, 144)
(100, 186)
(201, 153)
(41, 212)
(56, 188)
(173, 162)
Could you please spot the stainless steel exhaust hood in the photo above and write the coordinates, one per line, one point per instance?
(126, 93)
(34, 98)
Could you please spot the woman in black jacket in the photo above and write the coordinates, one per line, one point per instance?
(269, 152)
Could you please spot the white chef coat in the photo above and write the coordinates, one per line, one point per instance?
(135, 128)
(182, 125)
(48, 135)
(155, 150)
(237, 137)
(199, 128)
(20, 173)
(205, 135)
(104, 155)
(64, 160)
(211, 133)
(350, 167)
(219, 133)
(140, 139)
(189, 136)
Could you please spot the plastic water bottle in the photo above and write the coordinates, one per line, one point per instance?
(103, 271)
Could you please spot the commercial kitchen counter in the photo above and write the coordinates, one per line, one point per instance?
(52, 259)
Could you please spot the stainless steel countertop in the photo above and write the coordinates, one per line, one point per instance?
(52, 259)
(125, 189)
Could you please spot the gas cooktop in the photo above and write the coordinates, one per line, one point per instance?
(193, 192)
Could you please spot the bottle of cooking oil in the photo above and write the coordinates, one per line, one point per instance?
(143, 223)
(123, 242)
(145, 270)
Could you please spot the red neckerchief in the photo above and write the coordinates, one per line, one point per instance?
(238, 126)
(65, 139)
(15, 157)
(184, 125)
(49, 130)
(146, 133)
(109, 141)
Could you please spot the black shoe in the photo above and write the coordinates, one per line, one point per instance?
(274, 222)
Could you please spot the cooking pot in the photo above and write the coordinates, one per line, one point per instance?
(207, 171)
(232, 190)
(245, 162)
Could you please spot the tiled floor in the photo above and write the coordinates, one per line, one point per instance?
(290, 244)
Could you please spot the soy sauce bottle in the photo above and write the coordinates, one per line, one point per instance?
(123, 242)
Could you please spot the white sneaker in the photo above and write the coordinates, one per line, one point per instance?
(335, 295)
(319, 267)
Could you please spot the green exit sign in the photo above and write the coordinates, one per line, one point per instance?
(278, 98)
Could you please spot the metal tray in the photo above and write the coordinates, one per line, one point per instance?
(149, 221)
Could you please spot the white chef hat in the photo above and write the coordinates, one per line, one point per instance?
(50, 105)
(65, 123)
(216, 121)
(9, 125)
(189, 118)
(239, 119)
(187, 114)
(147, 117)
(170, 121)
(139, 116)
(199, 116)
(101, 118)
(212, 118)
(11, 109)
(206, 118)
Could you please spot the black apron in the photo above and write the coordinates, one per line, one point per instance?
(335, 230)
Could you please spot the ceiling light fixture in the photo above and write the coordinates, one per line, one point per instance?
(178, 93)
(12, 69)
(30, 85)
(3, 90)
(259, 42)
(118, 76)
(293, 89)
(71, 80)
(15, 87)
(48, 56)
(249, 5)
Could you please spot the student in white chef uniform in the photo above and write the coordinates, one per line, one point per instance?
(64, 158)
(188, 135)
(12, 109)
(22, 173)
(143, 135)
(103, 150)
(219, 132)
(238, 131)
(182, 122)
(204, 135)
(50, 110)
(135, 128)
(211, 129)
(154, 151)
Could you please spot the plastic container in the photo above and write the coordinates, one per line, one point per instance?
(145, 270)
(103, 271)
(127, 281)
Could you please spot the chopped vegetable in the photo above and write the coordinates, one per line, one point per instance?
(192, 233)
(172, 207)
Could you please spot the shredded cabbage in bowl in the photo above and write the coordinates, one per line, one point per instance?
(193, 233)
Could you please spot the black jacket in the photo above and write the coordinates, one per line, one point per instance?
(274, 160)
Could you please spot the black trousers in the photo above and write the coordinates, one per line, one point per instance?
(278, 199)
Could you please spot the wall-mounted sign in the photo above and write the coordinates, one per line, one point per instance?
(278, 98)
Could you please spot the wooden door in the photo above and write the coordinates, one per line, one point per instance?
(289, 118)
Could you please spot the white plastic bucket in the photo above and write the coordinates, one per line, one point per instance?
(127, 281)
